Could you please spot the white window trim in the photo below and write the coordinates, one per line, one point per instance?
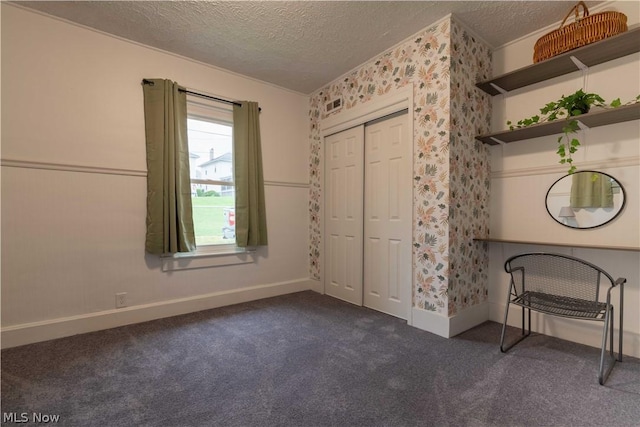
(208, 256)
(212, 182)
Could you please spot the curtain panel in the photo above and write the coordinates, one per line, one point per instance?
(169, 210)
(251, 218)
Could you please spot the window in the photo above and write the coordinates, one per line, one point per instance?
(210, 134)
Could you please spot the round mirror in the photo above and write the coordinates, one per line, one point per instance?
(585, 199)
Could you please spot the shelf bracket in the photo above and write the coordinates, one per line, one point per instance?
(582, 126)
(498, 88)
(497, 140)
(578, 63)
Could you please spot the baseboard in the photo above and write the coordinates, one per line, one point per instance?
(579, 331)
(430, 321)
(316, 285)
(468, 318)
(28, 333)
(448, 327)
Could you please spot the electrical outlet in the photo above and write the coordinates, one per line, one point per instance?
(121, 300)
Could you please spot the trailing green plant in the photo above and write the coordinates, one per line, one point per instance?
(567, 107)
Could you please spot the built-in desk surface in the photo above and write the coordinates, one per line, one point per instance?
(566, 245)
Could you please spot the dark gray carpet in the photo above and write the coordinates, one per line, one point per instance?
(311, 360)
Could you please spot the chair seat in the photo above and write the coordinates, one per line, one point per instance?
(562, 306)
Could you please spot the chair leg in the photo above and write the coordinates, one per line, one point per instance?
(504, 328)
(611, 332)
(620, 323)
(607, 329)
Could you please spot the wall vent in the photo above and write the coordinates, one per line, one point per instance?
(333, 105)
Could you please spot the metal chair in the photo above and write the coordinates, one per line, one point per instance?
(565, 286)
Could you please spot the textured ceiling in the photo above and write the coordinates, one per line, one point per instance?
(299, 45)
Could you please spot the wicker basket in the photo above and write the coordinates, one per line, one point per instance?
(585, 30)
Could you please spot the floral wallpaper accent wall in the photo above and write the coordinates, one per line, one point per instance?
(469, 171)
(425, 62)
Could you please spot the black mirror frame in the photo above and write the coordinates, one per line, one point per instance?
(624, 201)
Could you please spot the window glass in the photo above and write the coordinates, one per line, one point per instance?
(211, 171)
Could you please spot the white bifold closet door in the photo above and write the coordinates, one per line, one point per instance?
(368, 215)
(344, 186)
(387, 216)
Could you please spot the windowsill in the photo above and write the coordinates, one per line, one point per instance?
(208, 257)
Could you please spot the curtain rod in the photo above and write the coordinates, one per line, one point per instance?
(201, 95)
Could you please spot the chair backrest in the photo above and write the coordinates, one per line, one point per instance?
(556, 274)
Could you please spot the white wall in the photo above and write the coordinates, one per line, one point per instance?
(522, 172)
(73, 238)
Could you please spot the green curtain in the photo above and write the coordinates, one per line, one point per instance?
(591, 190)
(251, 218)
(169, 211)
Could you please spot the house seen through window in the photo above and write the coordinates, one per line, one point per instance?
(211, 171)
